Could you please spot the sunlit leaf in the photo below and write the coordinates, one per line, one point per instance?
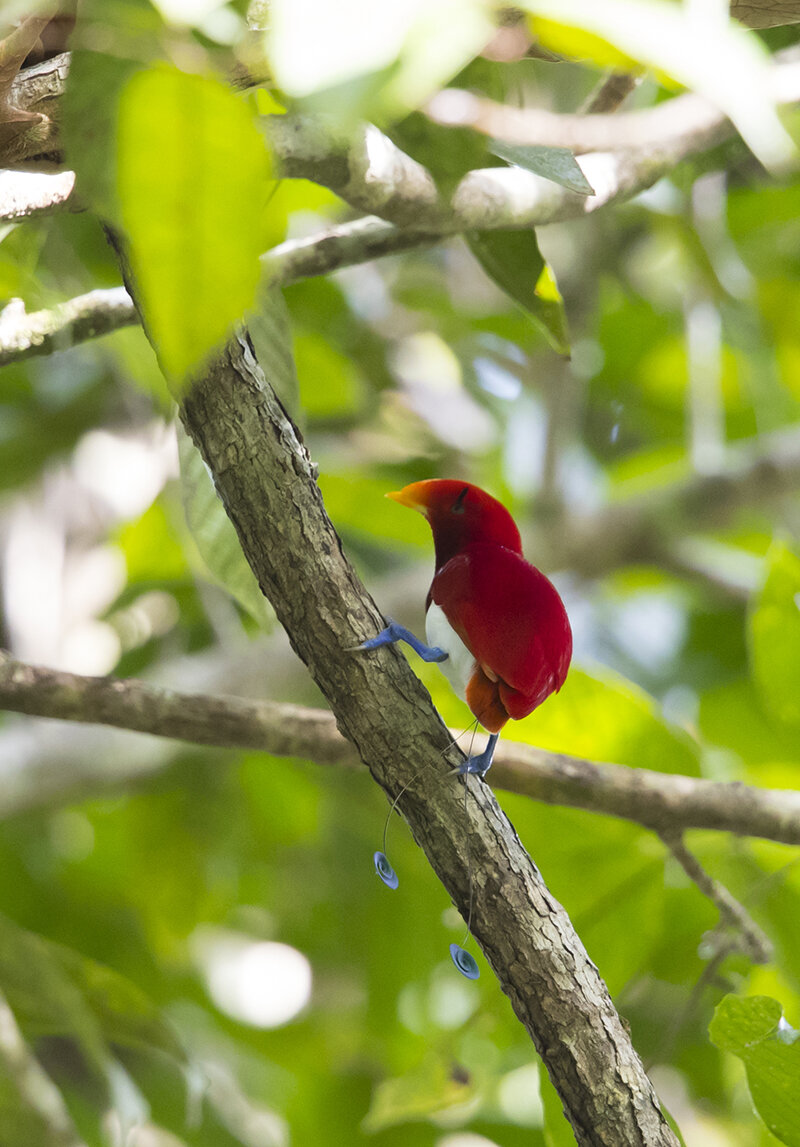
(421, 43)
(193, 181)
(555, 163)
(674, 38)
(513, 260)
(754, 1030)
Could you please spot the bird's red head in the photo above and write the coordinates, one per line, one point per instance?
(459, 514)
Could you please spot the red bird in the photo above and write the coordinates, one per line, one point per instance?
(495, 622)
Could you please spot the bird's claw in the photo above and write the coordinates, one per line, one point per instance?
(480, 764)
(394, 632)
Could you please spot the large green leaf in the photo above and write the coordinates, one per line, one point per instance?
(192, 180)
(214, 535)
(754, 1030)
(774, 632)
(514, 261)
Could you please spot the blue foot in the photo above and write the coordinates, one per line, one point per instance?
(394, 632)
(480, 764)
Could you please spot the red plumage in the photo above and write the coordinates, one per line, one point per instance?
(505, 611)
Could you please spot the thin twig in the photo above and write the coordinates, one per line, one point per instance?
(612, 91)
(733, 916)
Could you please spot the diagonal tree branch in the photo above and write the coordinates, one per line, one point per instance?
(664, 802)
(267, 484)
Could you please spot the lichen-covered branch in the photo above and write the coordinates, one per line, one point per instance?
(99, 312)
(664, 802)
(23, 335)
(25, 194)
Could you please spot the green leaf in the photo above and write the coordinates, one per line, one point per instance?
(557, 164)
(127, 1017)
(753, 1029)
(43, 995)
(513, 260)
(270, 330)
(214, 535)
(54, 990)
(192, 180)
(91, 108)
(774, 635)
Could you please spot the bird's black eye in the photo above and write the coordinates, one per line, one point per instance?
(458, 505)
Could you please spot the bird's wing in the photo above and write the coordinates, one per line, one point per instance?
(512, 619)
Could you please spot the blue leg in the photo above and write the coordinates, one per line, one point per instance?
(394, 632)
(481, 764)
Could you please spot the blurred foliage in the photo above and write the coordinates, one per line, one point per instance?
(157, 937)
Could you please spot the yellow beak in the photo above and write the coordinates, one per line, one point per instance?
(412, 496)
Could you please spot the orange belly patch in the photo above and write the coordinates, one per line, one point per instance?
(483, 698)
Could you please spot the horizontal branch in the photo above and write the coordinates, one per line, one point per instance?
(373, 175)
(43, 332)
(686, 123)
(26, 194)
(100, 312)
(665, 802)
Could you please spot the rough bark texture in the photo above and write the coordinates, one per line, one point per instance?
(267, 483)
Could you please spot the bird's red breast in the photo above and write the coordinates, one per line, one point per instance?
(504, 610)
